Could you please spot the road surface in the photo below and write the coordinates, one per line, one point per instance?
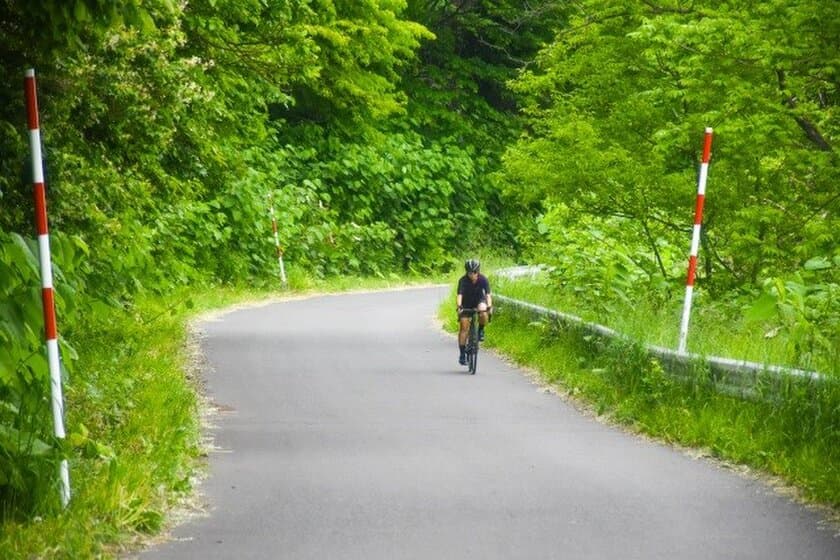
(354, 433)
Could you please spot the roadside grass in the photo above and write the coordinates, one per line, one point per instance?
(714, 330)
(133, 419)
(795, 437)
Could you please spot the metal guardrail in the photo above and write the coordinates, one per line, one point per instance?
(734, 377)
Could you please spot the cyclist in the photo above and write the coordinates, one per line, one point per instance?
(473, 292)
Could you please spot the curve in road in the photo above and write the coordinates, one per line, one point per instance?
(354, 433)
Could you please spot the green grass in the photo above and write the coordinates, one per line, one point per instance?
(795, 437)
(132, 415)
(714, 329)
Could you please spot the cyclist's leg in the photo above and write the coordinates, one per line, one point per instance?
(464, 329)
(482, 319)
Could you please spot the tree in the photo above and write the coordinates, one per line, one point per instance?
(616, 108)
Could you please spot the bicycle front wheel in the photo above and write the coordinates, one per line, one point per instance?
(472, 360)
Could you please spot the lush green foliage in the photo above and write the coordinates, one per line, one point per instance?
(793, 330)
(27, 449)
(384, 132)
(616, 108)
(169, 128)
(390, 203)
(805, 306)
(132, 436)
(458, 91)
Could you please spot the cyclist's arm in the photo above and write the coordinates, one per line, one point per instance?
(458, 300)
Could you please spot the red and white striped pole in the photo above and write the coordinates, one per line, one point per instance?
(47, 293)
(277, 240)
(695, 238)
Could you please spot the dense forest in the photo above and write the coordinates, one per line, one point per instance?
(400, 135)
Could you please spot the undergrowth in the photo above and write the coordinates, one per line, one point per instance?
(132, 423)
(717, 328)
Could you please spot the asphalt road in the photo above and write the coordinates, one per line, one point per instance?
(354, 433)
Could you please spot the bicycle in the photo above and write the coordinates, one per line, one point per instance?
(472, 340)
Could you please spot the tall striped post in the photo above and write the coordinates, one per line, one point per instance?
(695, 238)
(277, 240)
(47, 292)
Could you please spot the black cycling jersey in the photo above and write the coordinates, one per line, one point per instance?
(473, 293)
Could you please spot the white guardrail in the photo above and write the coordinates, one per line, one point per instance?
(734, 377)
